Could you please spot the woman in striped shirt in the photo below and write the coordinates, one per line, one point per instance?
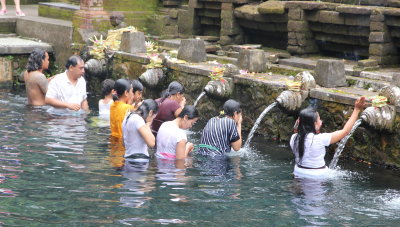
(223, 132)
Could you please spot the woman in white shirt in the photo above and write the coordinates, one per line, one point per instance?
(308, 145)
(136, 130)
(171, 137)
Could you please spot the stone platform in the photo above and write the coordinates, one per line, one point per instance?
(17, 45)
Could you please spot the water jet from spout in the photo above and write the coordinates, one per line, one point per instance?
(255, 126)
(342, 144)
(199, 97)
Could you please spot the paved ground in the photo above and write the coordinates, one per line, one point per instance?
(29, 10)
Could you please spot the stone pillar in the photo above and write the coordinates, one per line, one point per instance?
(5, 71)
(230, 32)
(192, 50)
(300, 37)
(90, 17)
(188, 22)
(381, 47)
(330, 73)
(252, 60)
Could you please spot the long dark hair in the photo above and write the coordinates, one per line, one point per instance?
(136, 86)
(144, 109)
(190, 111)
(107, 86)
(230, 107)
(173, 88)
(35, 60)
(122, 85)
(307, 119)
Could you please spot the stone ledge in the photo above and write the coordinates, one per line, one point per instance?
(14, 45)
(192, 68)
(355, 9)
(139, 58)
(344, 95)
(60, 5)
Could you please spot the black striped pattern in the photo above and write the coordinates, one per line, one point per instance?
(219, 132)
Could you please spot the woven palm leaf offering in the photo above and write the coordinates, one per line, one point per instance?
(379, 101)
(293, 85)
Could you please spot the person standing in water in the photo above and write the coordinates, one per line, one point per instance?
(223, 132)
(136, 130)
(35, 81)
(308, 144)
(170, 105)
(171, 138)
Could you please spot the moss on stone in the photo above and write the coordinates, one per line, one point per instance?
(272, 7)
(57, 13)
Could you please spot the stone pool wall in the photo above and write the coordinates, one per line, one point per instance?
(255, 93)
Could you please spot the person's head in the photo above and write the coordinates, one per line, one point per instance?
(308, 122)
(137, 89)
(232, 109)
(107, 87)
(123, 88)
(148, 110)
(188, 116)
(175, 90)
(75, 66)
(38, 60)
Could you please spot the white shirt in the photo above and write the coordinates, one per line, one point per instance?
(168, 136)
(104, 108)
(133, 140)
(62, 89)
(314, 149)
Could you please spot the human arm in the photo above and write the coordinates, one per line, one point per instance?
(181, 106)
(340, 134)
(147, 134)
(183, 148)
(238, 143)
(85, 105)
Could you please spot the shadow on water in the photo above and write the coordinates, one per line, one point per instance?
(58, 171)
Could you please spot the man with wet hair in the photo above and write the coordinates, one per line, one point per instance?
(68, 89)
(35, 81)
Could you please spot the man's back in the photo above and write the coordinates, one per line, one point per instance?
(36, 88)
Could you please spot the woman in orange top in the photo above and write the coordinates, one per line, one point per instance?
(129, 97)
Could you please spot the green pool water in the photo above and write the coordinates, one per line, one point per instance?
(65, 171)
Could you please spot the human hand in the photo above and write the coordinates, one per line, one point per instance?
(238, 118)
(360, 103)
(73, 106)
(183, 101)
(189, 146)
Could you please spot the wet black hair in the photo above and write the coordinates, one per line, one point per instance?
(107, 86)
(122, 85)
(73, 61)
(173, 88)
(230, 107)
(144, 109)
(307, 119)
(35, 60)
(189, 111)
(136, 85)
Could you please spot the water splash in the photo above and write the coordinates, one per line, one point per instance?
(266, 110)
(342, 144)
(199, 97)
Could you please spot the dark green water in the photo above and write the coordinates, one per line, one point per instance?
(63, 171)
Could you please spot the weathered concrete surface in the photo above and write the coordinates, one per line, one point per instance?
(58, 33)
(5, 71)
(133, 42)
(330, 73)
(16, 45)
(192, 50)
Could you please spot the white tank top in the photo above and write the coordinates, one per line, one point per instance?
(104, 108)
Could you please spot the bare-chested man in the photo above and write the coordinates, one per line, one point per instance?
(35, 81)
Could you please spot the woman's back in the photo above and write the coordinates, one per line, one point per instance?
(133, 140)
(218, 134)
(314, 149)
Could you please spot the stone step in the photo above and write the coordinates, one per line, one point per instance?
(232, 54)
(174, 44)
(384, 76)
(221, 59)
(209, 38)
(17, 45)
(364, 83)
(299, 63)
(8, 35)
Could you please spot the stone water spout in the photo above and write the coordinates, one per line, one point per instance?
(222, 88)
(293, 98)
(382, 118)
(95, 67)
(152, 77)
